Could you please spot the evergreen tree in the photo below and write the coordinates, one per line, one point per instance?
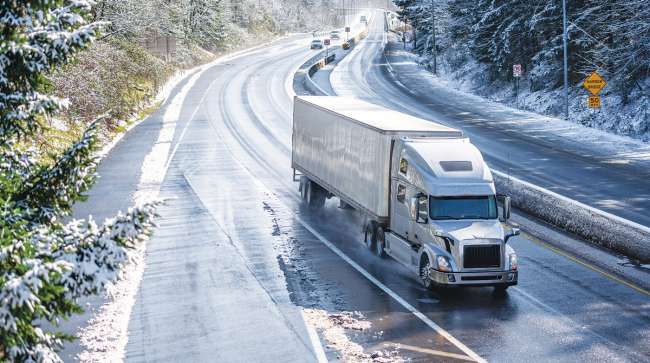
(46, 264)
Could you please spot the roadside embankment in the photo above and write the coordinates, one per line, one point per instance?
(596, 226)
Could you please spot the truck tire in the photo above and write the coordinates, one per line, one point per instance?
(369, 235)
(302, 187)
(315, 195)
(380, 242)
(425, 265)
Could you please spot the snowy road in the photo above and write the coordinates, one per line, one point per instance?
(237, 257)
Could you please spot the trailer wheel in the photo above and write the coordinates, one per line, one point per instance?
(380, 242)
(369, 235)
(316, 195)
(302, 187)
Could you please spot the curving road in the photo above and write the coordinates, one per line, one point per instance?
(237, 257)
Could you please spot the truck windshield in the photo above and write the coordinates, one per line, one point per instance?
(481, 207)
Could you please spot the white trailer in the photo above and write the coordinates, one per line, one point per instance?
(345, 145)
(426, 191)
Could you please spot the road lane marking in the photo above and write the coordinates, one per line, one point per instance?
(437, 353)
(315, 340)
(541, 243)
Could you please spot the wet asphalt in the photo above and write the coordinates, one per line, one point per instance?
(234, 220)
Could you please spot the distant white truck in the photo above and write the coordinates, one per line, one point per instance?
(427, 194)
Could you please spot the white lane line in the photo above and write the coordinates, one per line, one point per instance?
(315, 340)
(433, 352)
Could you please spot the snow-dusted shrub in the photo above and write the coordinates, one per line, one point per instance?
(112, 77)
(46, 265)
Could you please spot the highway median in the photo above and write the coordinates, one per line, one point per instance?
(591, 224)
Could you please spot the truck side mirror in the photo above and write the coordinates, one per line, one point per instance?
(423, 209)
(420, 209)
(513, 232)
(505, 207)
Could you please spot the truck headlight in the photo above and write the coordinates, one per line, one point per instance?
(443, 264)
(513, 261)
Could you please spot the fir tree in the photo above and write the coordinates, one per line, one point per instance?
(46, 264)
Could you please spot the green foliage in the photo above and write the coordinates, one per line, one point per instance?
(46, 265)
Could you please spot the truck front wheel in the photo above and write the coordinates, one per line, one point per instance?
(425, 278)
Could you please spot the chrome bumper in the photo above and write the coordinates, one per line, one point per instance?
(488, 278)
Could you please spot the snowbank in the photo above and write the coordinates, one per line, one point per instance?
(594, 225)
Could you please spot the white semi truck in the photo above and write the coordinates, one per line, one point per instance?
(427, 194)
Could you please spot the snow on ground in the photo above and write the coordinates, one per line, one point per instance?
(336, 329)
(616, 148)
(105, 338)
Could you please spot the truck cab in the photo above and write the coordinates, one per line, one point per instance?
(445, 220)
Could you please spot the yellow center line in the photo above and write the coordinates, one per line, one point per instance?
(438, 353)
(587, 265)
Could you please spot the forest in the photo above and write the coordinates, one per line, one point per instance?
(483, 39)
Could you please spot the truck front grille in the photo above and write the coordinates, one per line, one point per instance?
(482, 256)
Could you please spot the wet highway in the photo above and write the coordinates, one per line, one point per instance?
(234, 238)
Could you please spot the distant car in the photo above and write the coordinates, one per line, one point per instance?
(316, 44)
(335, 34)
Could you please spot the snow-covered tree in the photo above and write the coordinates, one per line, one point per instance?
(611, 36)
(46, 263)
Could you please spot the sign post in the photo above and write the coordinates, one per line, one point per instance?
(516, 72)
(347, 33)
(594, 83)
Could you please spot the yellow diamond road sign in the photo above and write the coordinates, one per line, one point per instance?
(594, 83)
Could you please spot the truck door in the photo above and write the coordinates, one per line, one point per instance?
(419, 232)
(400, 222)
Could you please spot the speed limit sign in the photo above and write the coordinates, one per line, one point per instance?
(516, 70)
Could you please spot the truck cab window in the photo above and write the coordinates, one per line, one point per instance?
(403, 166)
(463, 207)
(401, 193)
